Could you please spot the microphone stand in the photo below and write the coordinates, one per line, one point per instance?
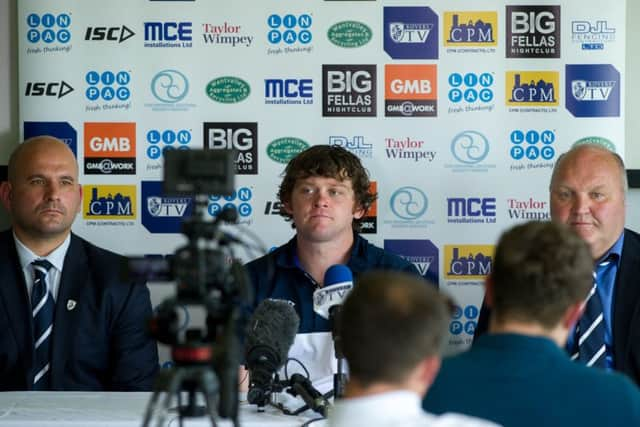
(339, 378)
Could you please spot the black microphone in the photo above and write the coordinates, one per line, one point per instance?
(270, 333)
(301, 386)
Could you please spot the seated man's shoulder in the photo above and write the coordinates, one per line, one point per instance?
(377, 257)
(450, 419)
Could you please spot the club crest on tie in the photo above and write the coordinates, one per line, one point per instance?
(71, 304)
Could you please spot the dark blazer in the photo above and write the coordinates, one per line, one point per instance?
(99, 344)
(626, 310)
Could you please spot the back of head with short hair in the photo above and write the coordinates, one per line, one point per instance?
(540, 270)
(389, 323)
(328, 162)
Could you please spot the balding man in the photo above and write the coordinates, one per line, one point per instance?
(66, 320)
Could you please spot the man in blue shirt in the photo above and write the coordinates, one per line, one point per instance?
(518, 373)
(587, 192)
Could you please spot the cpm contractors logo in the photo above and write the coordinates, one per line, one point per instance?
(355, 144)
(471, 210)
(423, 254)
(239, 136)
(592, 90)
(592, 35)
(532, 146)
(411, 90)
(349, 34)
(225, 35)
(411, 32)
(52, 32)
(528, 209)
(471, 92)
(160, 213)
(109, 202)
(470, 32)
(112, 34)
(291, 31)
(533, 32)
(467, 262)
(110, 148)
(536, 89)
(61, 130)
(239, 200)
(349, 90)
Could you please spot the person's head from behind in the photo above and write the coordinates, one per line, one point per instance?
(42, 193)
(587, 193)
(393, 327)
(540, 277)
(328, 178)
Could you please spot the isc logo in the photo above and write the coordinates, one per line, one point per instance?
(288, 88)
(542, 22)
(240, 139)
(116, 34)
(410, 86)
(48, 89)
(167, 31)
(348, 81)
(55, 28)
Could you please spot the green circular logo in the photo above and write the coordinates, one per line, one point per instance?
(284, 149)
(597, 140)
(349, 34)
(228, 90)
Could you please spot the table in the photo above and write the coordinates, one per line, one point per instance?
(114, 409)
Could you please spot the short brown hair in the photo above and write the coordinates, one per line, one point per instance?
(389, 323)
(329, 162)
(540, 270)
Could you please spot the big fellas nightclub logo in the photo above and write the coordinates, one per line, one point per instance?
(533, 32)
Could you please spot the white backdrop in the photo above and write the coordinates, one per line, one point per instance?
(448, 183)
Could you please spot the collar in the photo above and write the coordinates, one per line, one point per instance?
(615, 252)
(377, 409)
(287, 257)
(56, 257)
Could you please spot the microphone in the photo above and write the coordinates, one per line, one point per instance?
(338, 282)
(270, 333)
(301, 386)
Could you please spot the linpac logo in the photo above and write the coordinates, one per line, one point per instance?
(423, 254)
(355, 144)
(289, 33)
(468, 262)
(408, 148)
(61, 130)
(528, 209)
(109, 148)
(239, 136)
(282, 150)
(239, 200)
(160, 213)
(160, 140)
(592, 35)
(51, 30)
(228, 90)
(470, 31)
(411, 90)
(349, 34)
(409, 206)
(168, 34)
(226, 34)
(118, 34)
(110, 87)
(54, 89)
(349, 90)
(369, 222)
(532, 88)
(109, 202)
(533, 146)
(471, 92)
(533, 32)
(592, 90)
(464, 320)
(288, 91)
(471, 210)
(411, 32)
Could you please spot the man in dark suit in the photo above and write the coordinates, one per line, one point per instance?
(67, 322)
(518, 374)
(587, 192)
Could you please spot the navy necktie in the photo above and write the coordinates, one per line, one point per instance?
(591, 328)
(42, 308)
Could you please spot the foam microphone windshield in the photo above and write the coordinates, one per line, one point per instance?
(270, 334)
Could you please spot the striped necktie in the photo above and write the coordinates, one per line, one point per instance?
(591, 328)
(42, 306)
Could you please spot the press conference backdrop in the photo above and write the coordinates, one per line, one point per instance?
(457, 109)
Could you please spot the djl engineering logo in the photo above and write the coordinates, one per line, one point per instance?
(160, 213)
(48, 32)
(110, 87)
(240, 200)
(532, 149)
(355, 144)
(592, 35)
(288, 91)
(466, 32)
(592, 90)
(535, 89)
(61, 130)
(423, 254)
(467, 264)
(110, 148)
(464, 320)
(349, 90)
(471, 92)
(471, 210)
(533, 32)
(289, 33)
(109, 204)
(410, 32)
(239, 136)
(411, 90)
